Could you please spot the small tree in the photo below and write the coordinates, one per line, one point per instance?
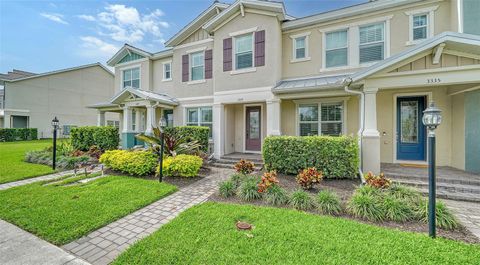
(175, 143)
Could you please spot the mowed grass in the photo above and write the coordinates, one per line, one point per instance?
(206, 234)
(60, 214)
(12, 166)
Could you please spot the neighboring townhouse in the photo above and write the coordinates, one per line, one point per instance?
(248, 70)
(32, 100)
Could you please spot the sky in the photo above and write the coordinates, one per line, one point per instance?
(41, 36)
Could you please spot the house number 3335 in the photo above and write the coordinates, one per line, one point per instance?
(433, 80)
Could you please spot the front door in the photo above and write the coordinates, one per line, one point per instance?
(411, 133)
(253, 129)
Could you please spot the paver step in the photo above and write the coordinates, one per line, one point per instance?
(236, 159)
(456, 188)
(457, 180)
(233, 162)
(224, 165)
(453, 196)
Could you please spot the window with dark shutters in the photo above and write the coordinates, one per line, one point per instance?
(208, 64)
(227, 54)
(260, 48)
(185, 73)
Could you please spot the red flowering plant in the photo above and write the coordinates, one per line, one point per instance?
(379, 182)
(308, 177)
(269, 179)
(244, 166)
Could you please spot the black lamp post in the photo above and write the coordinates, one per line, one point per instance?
(432, 117)
(55, 124)
(161, 126)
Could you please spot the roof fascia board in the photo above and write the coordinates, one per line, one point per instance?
(124, 51)
(162, 54)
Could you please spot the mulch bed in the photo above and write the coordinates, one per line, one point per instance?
(344, 189)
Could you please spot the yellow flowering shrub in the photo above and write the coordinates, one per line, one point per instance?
(138, 163)
(181, 166)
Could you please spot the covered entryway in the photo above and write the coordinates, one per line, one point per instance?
(253, 128)
(410, 133)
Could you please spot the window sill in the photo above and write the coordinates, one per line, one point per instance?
(243, 71)
(196, 82)
(413, 42)
(337, 68)
(166, 80)
(300, 60)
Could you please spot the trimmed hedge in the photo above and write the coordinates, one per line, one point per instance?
(181, 166)
(104, 137)
(18, 134)
(336, 157)
(137, 163)
(194, 133)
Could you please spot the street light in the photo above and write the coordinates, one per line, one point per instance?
(161, 124)
(55, 126)
(432, 117)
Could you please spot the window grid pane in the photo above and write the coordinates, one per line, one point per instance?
(336, 40)
(244, 51)
(244, 60)
(336, 58)
(328, 122)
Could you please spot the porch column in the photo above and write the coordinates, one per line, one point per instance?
(101, 118)
(128, 138)
(218, 129)
(273, 117)
(370, 135)
(151, 119)
(138, 120)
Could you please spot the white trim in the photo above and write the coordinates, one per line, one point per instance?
(123, 69)
(430, 13)
(294, 47)
(460, 15)
(186, 45)
(243, 71)
(318, 102)
(163, 70)
(194, 98)
(196, 82)
(324, 51)
(190, 66)
(245, 127)
(464, 90)
(429, 96)
(199, 49)
(461, 54)
(234, 53)
(126, 64)
(243, 32)
(243, 91)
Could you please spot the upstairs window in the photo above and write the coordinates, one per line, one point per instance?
(300, 47)
(420, 27)
(244, 51)
(336, 48)
(469, 16)
(201, 116)
(131, 78)
(167, 71)
(197, 66)
(372, 43)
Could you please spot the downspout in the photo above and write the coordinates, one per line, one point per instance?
(347, 82)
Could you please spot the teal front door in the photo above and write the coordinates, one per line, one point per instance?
(411, 133)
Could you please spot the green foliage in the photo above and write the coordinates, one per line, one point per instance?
(328, 202)
(366, 206)
(199, 134)
(18, 134)
(175, 142)
(396, 209)
(301, 200)
(367, 190)
(226, 189)
(104, 137)
(45, 157)
(236, 179)
(275, 195)
(65, 148)
(444, 218)
(336, 157)
(138, 163)
(248, 190)
(181, 166)
(403, 192)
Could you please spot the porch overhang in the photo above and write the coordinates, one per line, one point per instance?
(132, 93)
(310, 84)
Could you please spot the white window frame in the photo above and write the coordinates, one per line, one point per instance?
(324, 50)
(294, 47)
(430, 12)
(164, 65)
(384, 42)
(190, 56)
(199, 118)
(234, 59)
(319, 103)
(122, 71)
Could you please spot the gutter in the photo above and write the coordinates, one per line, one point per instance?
(347, 82)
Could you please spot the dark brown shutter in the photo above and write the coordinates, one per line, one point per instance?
(208, 64)
(227, 54)
(260, 48)
(185, 73)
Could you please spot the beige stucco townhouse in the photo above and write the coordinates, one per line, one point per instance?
(30, 100)
(249, 70)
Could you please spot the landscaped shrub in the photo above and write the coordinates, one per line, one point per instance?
(301, 200)
(45, 157)
(181, 166)
(137, 163)
(404, 193)
(275, 195)
(104, 137)
(444, 218)
(336, 157)
(248, 190)
(244, 167)
(226, 189)
(192, 133)
(397, 209)
(269, 179)
(308, 177)
(17, 134)
(366, 206)
(379, 182)
(237, 179)
(328, 202)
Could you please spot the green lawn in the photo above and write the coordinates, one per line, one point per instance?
(12, 166)
(206, 234)
(61, 214)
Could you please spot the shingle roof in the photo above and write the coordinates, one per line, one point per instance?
(310, 83)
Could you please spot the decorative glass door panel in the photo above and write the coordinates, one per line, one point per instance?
(411, 132)
(253, 129)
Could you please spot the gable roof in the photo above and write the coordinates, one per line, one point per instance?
(147, 95)
(15, 74)
(465, 42)
(125, 50)
(197, 23)
(62, 71)
(276, 7)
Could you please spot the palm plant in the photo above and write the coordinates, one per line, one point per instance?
(175, 143)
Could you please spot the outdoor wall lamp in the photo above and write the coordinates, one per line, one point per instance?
(55, 125)
(432, 118)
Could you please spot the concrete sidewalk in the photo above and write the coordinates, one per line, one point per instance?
(8, 185)
(22, 248)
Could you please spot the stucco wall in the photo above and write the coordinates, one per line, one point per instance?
(146, 77)
(472, 130)
(458, 135)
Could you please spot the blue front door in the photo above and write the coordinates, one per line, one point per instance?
(411, 132)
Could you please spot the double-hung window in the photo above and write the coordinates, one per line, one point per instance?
(167, 71)
(420, 27)
(244, 51)
(200, 116)
(197, 66)
(372, 43)
(300, 47)
(131, 78)
(336, 48)
(321, 119)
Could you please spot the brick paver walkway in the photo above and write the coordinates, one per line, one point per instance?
(105, 244)
(468, 213)
(32, 180)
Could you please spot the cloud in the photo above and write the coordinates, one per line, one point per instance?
(54, 17)
(94, 47)
(87, 17)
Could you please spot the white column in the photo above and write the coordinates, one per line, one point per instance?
(138, 120)
(127, 119)
(120, 124)
(7, 120)
(370, 135)
(273, 117)
(218, 130)
(151, 119)
(101, 118)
